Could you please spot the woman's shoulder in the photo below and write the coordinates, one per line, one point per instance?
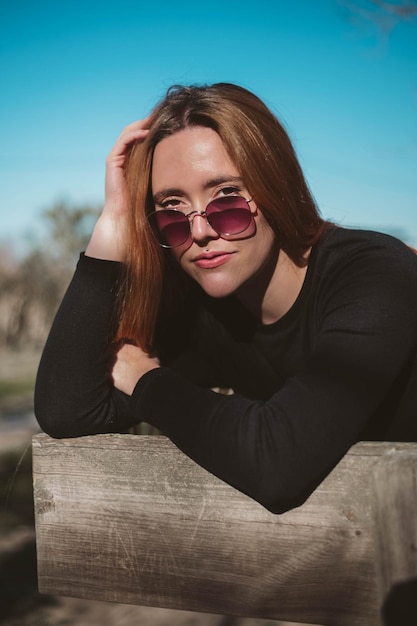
(352, 262)
(336, 235)
(340, 245)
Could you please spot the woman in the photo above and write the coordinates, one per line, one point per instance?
(210, 266)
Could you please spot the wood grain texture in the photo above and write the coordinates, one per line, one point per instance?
(131, 519)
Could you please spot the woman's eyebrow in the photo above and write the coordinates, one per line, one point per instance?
(164, 193)
(220, 180)
(209, 184)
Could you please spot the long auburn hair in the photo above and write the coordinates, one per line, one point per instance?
(260, 148)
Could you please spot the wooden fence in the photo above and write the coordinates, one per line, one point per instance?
(131, 519)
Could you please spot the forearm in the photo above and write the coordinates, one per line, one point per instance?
(277, 451)
(109, 238)
(251, 445)
(74, 392)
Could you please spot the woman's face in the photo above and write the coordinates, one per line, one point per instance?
(191, 168)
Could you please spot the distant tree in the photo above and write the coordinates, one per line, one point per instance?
(384, 15)
(30, 290)
(28, 300)
(69, 228)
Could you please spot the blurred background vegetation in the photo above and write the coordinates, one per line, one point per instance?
(31, 285)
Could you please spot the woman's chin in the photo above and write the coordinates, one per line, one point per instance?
(217, 287)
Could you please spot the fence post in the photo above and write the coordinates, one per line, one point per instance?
(131, 519)
(395, 523)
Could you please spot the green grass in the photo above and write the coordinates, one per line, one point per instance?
(15, 387)
(16, 491)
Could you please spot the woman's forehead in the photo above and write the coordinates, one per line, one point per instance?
(193, 154)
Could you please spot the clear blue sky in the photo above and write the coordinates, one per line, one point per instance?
(73, 73)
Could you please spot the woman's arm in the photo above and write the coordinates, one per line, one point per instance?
(277, 451)
(74, 392)
(108, 240)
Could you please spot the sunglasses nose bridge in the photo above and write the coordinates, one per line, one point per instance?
(200, 229)
(193, 214)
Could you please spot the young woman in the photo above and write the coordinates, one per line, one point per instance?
(210, 266)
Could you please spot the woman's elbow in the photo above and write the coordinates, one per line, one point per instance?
(55, 424)
(64, 420)
(281, 495)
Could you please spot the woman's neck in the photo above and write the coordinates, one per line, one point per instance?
(272, 293)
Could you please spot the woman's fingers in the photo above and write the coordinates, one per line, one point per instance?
(109, 239)
(116, 201)
(131, 133)
(130, 365)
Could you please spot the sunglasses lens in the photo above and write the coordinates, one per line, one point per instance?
(229, 215)
(171, 227)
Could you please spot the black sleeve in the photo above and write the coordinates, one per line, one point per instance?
(74, 394)
(279, 450)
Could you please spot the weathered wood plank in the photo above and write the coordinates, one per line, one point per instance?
(131, 519)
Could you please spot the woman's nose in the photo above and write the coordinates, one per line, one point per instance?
(201, 229)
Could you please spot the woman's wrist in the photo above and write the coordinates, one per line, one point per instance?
(108, 240)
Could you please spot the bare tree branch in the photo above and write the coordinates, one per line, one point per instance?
(384, 15)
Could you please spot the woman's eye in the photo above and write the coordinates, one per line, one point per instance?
(171, 203)
(230, 191)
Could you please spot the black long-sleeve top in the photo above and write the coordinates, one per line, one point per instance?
(339, 367)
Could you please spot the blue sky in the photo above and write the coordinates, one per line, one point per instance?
(74, 73)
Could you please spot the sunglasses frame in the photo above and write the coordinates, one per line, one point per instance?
(192, 214)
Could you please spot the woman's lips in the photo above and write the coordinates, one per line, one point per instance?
(212, 259)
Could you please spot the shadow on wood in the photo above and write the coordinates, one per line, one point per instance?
(131, 519)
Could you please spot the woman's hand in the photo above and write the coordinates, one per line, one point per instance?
(108, 240)
(131, 364)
